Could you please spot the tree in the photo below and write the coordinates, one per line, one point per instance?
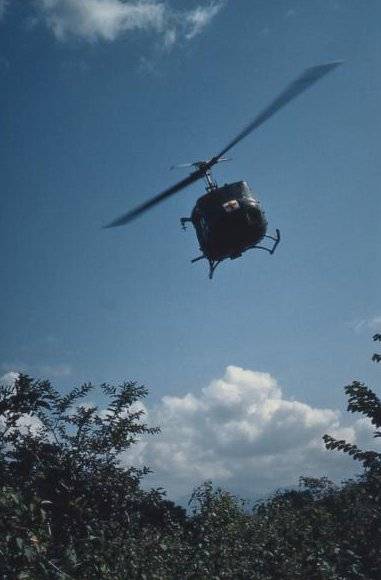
(73, 507)
(376, 357)
(361, 399)
(365, 525)
(70, 507)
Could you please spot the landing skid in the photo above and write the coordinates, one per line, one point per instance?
(275, 239)
(214, 263)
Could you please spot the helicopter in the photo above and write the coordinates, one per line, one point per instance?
(229, 220)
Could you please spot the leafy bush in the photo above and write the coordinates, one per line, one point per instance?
(69, 508)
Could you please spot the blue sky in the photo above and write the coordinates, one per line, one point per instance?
(99, 98)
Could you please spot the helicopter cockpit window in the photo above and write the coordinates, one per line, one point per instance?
(231, 205)
(253, 202)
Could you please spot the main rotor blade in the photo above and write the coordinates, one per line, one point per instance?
(293, 90)
(181, 165)
(127, 217)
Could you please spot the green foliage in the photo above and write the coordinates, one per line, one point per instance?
(24, 535)
(363, 526)
(217, 525)
(75, 510)
(376, 357)
(363, 400)
(71, 509)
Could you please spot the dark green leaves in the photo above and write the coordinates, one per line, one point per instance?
(71, 509)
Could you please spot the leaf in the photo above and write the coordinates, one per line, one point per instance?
(29, 553)
(20, 543)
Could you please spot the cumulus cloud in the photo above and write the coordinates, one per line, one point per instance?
(9, 378)
(108, 19)
(243, 434)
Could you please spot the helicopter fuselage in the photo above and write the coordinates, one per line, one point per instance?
(228, 221)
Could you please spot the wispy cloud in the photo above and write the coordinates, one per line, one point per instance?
(242, 433)
(3, 6)
(196, 20)
(169, 37)
(375, 323)
(100, 19)
(290, 13)
(370, 324)
(264, 32)
(4, 63)
(107, 20)
(59, 370)
(45, 371)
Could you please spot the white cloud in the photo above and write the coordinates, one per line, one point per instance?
(108, 19)
(8, 379)
(240, 432)
(196, 20)
(100, 19)
(29, 424)
(170, 37)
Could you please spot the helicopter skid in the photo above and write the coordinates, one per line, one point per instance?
(275, 239)
(214, 263)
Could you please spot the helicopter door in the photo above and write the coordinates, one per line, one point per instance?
(202, 231)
